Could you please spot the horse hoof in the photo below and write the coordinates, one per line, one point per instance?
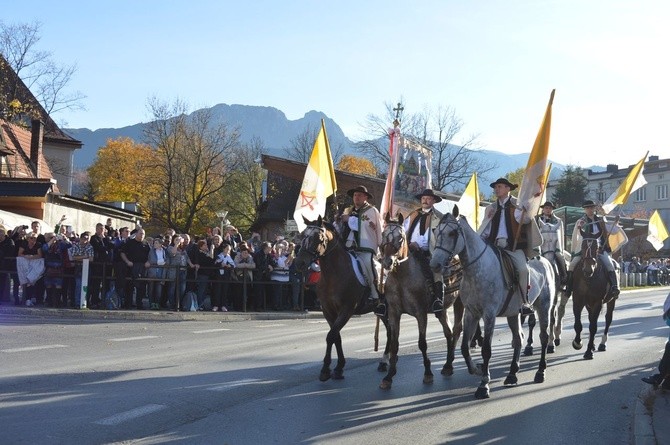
(482, 393)
(577, 345)
(588, 355)
(324, 376)
(385, 384)
(602, 347)
(428, 379)
(539, 377)
(528, 350)
(550, 349)
(557, 342)
(447, 370)
(511, 380)
(383, 367)
(338, 375)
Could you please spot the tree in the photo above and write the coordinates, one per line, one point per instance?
(356, 165)
(47, 80)
(196, 161)
(300, 147)
(122, 170)
(571, 187)
(452, 162)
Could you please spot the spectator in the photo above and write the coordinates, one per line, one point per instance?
(295, 278)
(244, 268)
(255, 241)
(30, 268)
(54, 250)
(135, 253)
(176, 272)
(206, 270)
(663, 377)
(226, 272)
(7, 263)
(103, 249)
(265, 263)
(157, 271)
(280, 275)
(79, 252)
(18, 237)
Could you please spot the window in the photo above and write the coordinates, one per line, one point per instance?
(662, 191)
(641, 194)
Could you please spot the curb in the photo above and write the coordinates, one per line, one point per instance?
(643, 429)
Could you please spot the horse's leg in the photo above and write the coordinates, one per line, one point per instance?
(552, 322)
(577, 307)
(384, 362)
(338, 372)
(594, 312)
(422, 322)
(529, 344)
(448, 368)
(559, 318)
(325, 369)
(470, 323)
(393, 329)
(544, 342)
(514, 323)
(608, 321)
(483, 389)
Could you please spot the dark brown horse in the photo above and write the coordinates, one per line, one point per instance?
(408, 291)
(590, 287)
(339, 291)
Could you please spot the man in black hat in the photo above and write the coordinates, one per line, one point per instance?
(551, 228)
(501, 228)
(362, 231)
(597, 227)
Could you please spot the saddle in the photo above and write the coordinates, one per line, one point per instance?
(510, 274)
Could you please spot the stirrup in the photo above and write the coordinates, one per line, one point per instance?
(526, 309)
(380, 310)
(438, 305)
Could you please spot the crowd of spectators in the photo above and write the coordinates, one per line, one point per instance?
(656, 270)
(135, 271)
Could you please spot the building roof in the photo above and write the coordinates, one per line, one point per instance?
(27, 188)
(15, 143)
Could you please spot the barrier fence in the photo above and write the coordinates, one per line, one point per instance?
(240, 293)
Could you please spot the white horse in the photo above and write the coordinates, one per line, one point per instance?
(486, 295)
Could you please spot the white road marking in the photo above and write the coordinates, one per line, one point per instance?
(33, 348)
(208, 331)
(146, 337)
(304, 366)
(277, 325)
(245, 382)
(132, 414)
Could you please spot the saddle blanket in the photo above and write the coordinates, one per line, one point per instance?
(357, 269)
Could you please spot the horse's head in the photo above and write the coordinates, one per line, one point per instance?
(394, 241)
(315, 239)
(590, 251)
(449, 241)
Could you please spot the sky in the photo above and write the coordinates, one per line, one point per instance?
(494, 62)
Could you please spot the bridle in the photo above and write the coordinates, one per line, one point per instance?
(590, 252)
(455, 232)
(393, 240)
(322, 248)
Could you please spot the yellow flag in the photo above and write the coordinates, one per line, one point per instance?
(657, 232)
(546, 181)
(319, 182)
(633, 181)
(533, 183)
(468, 205)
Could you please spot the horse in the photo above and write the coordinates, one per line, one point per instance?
(408, 291)
(590, 287)
(339, 290)
(485, 294)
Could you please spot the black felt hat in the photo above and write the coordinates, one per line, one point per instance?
(429, 192)
(360, 188)
(505, 182)
(588, 203)
(549, 204)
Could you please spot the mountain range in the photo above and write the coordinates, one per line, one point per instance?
(276, 131)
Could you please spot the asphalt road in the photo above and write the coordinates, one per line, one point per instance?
(73, 381)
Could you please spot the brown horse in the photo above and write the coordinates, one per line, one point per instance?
(590, 287)
(340, 293)
(408, 291)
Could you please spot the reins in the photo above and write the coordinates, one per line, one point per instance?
(451, 255)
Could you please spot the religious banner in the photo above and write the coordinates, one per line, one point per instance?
(413, 175)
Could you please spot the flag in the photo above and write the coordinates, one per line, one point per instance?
(319, 182)
(468, 204)
(633, 181)
(657, 231)
(387, 199)
(533, 182)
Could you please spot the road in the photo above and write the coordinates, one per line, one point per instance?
(256, 382)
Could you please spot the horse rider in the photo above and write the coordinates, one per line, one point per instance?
(551, 228)
(500, 227)
(596, 226)
(362, 230)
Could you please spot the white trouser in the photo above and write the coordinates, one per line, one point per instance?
(604, 257)
(365, 259)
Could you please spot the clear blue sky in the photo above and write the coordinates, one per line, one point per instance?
(494, 62)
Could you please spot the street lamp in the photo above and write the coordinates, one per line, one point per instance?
(222, 215)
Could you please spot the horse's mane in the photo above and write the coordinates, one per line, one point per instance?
(404, 249)
(330, 227)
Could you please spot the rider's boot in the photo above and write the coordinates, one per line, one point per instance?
(380, 309)
(568, 284)
(438, 297)
(614, 292)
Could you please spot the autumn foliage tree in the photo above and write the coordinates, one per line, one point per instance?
(121, 171)
(357, 165)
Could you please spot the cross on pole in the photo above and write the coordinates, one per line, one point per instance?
(399, 109)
